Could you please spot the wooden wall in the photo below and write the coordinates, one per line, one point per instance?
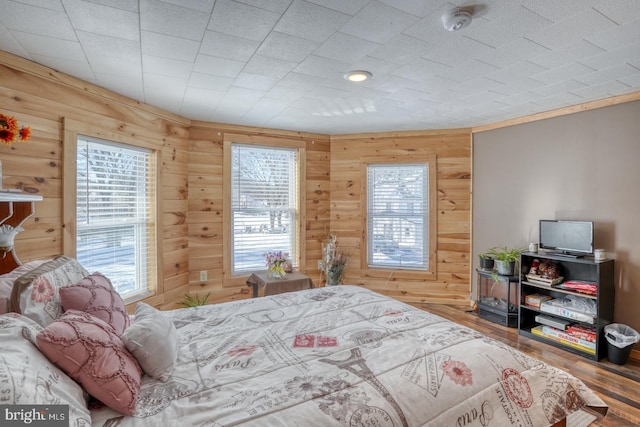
(42, 99)
(191, 225)
(452, 149)
(205, 215)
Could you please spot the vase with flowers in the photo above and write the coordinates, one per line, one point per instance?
(278, 263)
(334, 261)
(10, 132)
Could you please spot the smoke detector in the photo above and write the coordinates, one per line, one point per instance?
(456, 19)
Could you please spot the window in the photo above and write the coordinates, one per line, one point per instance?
(264, 204)
(115, 214)
(398, 232)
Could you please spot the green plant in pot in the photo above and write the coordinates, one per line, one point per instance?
(505, 259)
(486, 261)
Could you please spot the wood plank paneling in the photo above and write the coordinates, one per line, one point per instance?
(452, 150)
(43, 99)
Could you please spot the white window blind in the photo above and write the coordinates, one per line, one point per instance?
(115, 198)
(398, 216)
(264, 203)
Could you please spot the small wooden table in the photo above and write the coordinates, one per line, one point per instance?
(274, 285)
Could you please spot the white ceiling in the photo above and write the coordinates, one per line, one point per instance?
(279, 63)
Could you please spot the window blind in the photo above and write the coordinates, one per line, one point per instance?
(264, 203)
(397, 216)
(115, 200)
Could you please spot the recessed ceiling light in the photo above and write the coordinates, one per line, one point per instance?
(357, 75)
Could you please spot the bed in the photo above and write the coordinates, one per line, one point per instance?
(335, 356)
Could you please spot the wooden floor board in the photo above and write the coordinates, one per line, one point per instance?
(617, 385)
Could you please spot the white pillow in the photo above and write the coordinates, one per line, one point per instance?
(36, 293)
(28, 378)
(153, 340)
(7, 279)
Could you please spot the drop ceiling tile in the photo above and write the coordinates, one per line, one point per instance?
(166, 67)
(629, 54)
(47, 46)
(616, 37)
(402, 48)
(114, 66)
(458, 52)
(415, 7)
(254, 81)
(320, 66)
(210, 82)
(556, 11)
(475, 85)
(287, 47)
(9, 44)
(346, 48)
(228, 46)
(468, 70)
(608, 74)
(264, 110)
(300, 81)
(270, 67)
(243, 95)
(108, 21)
(202, 5)
(378, 22)
(420, 68)
(518, 50)
(562, 87)
(173, 20)
(515, 72)
(518, 88)
(128, 5)
(324, 92)
(36, 20)
(619, 11)
(170, 47)
(632, 81)
(283, 93)
(566, 55)
(350, 7)
(310, 21)
(507, 28)
(278, 6)
(199, 103)
(218, 66)
(81, 70)
(567, 72)
(571, 30)
(131, 87)
(237, 19)
(98, 47)
(603, 90)
(374, 65)
(55, 5)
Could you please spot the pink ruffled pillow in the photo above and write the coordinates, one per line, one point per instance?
(96, 295)
(89, 351)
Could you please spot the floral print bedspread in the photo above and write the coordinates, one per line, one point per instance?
(346, 356)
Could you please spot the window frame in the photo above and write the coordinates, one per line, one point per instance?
(431, 223)
(72, 130)
(228, 277)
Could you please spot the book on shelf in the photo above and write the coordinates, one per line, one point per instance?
(552, 321)
(568, 337)
(538, 330)
(583, 332)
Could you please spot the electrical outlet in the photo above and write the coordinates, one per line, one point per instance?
(203, 276)
(319, 264)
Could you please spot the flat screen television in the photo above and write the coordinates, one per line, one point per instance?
(567, 237)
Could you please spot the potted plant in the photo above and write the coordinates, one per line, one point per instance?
(505, 259)
(486, 261)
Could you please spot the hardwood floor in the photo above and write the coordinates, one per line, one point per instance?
(618, 386)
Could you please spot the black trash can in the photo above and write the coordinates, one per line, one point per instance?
(620, 341)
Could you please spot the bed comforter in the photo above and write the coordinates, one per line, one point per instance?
(346, 356)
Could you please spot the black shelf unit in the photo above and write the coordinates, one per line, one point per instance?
(586, 269)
